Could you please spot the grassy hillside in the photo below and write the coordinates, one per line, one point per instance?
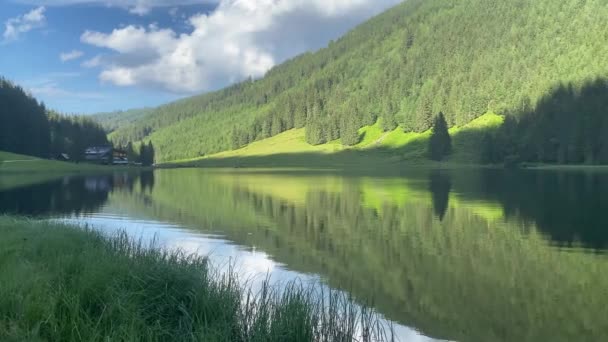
(375, 148)
(463, 58)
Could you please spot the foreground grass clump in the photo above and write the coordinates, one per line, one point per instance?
(60, 283)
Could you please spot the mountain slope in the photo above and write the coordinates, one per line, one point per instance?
(111, 121)
(463, 58)
(375, 150)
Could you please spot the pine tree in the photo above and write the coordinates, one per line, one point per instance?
(440, 143)
(151, 153)
(143, 154)
(131, 155)
(349, 132)
(146, 153)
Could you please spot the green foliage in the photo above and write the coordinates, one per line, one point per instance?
(27, 128)
(73, 134)
(24, 127)
(62, 283)
(146, 154)
(349, 132)
(131, 154)
(567, 126)
(463, 58)
(440, 142)
(114, 120)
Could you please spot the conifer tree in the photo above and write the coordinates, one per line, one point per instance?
(349, 132)
(440, 143)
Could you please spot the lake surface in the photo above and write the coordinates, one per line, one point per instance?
(470, 255)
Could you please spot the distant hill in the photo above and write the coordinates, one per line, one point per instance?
(111, 121)
(464, 58)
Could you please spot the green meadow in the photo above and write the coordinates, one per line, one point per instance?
(375, 147)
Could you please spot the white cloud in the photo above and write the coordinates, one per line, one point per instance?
(15, 27)
(240, 38)
(68, 56)
(139, 7)
(93, 62)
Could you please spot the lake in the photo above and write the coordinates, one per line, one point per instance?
(466, 255)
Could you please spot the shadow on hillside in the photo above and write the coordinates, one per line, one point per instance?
(567, 126)
(379, 159)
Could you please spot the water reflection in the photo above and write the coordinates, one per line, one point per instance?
(457, 255)
(63, 196)
(567, 206)
(146, 180)
(70, 194)
(440, 185)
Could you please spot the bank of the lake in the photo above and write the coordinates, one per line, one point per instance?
(11, 163)
(18, 163)
(65, 283)
(21, 170)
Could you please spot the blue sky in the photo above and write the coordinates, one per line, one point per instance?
(88, 56)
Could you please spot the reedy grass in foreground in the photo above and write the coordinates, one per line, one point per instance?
(62, 283)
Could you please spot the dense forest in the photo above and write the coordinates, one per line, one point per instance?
(567, 126)
(27, 127)
(24, 126)
(462, 58)
(111, 121)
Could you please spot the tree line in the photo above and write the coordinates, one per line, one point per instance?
(27, 127)
(145, 154)
(567, 126)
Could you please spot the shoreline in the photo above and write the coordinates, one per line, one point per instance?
(62, 282)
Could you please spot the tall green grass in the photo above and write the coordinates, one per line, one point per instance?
(62, 283)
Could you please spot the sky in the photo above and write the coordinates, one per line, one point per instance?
(89, 56)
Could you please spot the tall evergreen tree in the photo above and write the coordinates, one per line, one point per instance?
(440, 143)
(131, 155)
(151, 154)
(349, 132)
(146, 154)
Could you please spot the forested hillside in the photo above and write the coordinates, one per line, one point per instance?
(111, 121)
(22, 116)
(27, 127)
(463, 58)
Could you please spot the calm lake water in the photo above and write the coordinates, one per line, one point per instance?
(474, 255)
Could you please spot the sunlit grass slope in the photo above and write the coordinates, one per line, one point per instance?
(391, 146)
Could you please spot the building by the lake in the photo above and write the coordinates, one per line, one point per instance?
(106, 155)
